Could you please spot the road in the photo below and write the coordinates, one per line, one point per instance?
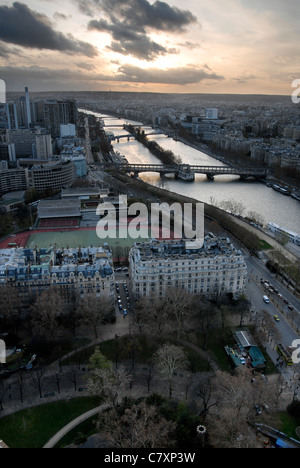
(255, 292)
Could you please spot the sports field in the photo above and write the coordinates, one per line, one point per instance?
(77, 238)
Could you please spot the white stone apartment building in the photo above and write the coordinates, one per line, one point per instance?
(215, 268)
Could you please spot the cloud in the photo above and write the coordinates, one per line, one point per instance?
(129, 42)
(173, 76)
(22, 26)
(129, 23)
(46, 78)
(140, 14)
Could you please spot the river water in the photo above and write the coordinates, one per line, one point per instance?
(254, 195)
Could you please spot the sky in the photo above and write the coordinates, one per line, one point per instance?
(173, 46)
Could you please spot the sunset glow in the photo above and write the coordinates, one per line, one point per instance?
(144, 45)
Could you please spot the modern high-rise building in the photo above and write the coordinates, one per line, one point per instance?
(57, 113)
(28, 110)
(12, 116)
(7, 152)
(43, 145)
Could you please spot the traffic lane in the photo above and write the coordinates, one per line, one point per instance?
(257, 269)
(255, 295)
(123, 298)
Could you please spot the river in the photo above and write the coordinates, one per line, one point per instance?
(254, 195)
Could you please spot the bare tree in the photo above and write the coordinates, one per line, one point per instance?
(37, 381)
(73, 375)
(181, 308)
(152, 316)
(206, 316)
(94, 311)
(168, 359)
(205, 394)
(140, 426)
(45, 313)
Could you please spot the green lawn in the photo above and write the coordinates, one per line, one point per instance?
(121, 350)
(264, 245)
(33, 427)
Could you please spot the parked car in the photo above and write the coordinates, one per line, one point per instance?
(257, 409)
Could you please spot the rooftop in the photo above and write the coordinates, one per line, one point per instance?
(59, 208)
(211, 247)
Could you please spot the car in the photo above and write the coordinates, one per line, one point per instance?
(257, 409)
(124, 312)
(266, 299)
(290, 307)
(285, 301)
(276, 318)
(118, 269)
(120, 307)
(280, 296)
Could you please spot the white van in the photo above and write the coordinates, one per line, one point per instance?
(266, 299)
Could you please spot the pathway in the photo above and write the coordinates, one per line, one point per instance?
(57, 437)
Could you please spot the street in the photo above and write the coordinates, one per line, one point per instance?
(255, 292)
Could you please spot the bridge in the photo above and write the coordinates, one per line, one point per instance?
(129, 136)
(187, 172)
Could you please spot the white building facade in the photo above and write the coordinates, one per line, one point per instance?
(214, 269)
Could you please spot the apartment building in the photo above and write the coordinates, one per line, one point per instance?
(87, 271)
(214, 268)
(12, 180)
(55, 175)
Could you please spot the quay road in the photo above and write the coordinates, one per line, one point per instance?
(255, 292)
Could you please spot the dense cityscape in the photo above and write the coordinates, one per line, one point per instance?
(124, 330)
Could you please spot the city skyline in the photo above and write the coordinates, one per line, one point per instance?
(147, 46)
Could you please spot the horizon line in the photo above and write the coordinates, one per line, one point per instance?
(152, 92)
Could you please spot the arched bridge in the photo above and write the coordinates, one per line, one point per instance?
(187, 172)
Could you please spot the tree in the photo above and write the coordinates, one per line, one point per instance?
(10, 305)
(181, 309)
(205, 394)
(282, 238)
(140, 426)
(45, 313)
(230, 422)
(94, 311)
(152, 315)
(206, 316)
(169, 358)
(105, 381)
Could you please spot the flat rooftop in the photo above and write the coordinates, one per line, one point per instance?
(59, 209)
(80, 192)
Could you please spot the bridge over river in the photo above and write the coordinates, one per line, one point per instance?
(187, 172)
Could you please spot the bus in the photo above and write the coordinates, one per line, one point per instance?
(285, 354)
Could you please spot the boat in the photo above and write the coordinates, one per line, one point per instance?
(295, 196)
(185, 173)
(279, 188)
